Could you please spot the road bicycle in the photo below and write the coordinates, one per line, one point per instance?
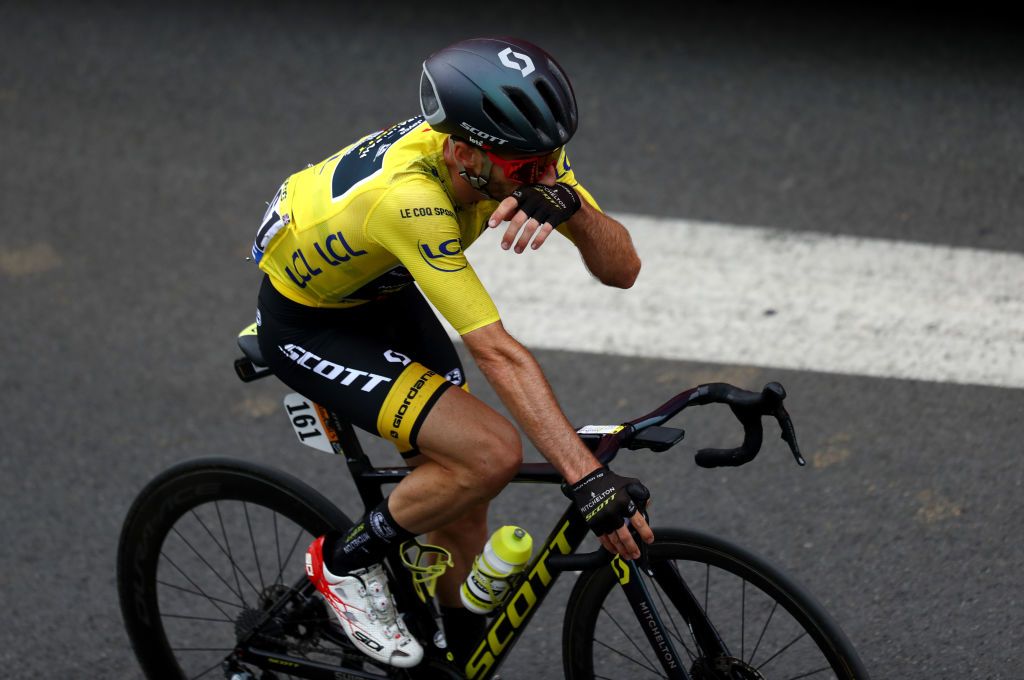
(212, 584)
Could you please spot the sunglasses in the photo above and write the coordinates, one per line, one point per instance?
(527, 170)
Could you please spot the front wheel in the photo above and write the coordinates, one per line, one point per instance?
(763, 626)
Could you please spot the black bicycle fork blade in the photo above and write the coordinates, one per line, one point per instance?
(633, 582)
(679, 594)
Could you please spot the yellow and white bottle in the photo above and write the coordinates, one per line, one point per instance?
(506, 553)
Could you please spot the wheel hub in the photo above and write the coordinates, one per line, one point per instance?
(296, 620)
(724, 668)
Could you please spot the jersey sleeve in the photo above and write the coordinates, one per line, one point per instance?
(565, 175)
(414, 221)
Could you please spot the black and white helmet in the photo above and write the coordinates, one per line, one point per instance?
(502, 94)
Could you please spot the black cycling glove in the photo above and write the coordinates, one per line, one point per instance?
(554, 204)
(605, 499)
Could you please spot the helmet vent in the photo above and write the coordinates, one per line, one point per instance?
(565, 87)
(551, 99)
(428, 98)
(499, 119)
(526, 107)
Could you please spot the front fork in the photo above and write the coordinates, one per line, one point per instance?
(633, 577)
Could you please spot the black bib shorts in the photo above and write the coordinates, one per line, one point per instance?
(381, 365)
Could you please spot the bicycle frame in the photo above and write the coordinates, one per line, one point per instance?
(531, 587)
(556, 556)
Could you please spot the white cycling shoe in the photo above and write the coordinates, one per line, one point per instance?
(364, 608)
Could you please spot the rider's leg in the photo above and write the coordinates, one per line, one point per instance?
(472, 453)
(464, 539)
(479, 462)
(469, 452)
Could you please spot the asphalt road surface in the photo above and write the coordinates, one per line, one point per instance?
(139, 146)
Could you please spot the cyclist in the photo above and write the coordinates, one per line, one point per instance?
(340, 321)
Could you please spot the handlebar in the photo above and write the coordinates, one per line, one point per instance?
(748, 407)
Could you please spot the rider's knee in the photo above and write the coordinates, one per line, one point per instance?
(508, 456)
(506, 464)
(497, 461)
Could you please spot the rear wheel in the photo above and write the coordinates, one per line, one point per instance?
(211, 558)
(769, 626)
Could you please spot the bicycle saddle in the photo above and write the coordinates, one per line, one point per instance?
(250, 345)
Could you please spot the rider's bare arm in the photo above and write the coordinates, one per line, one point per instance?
(603, 242)
(606, 247)
(517, 378)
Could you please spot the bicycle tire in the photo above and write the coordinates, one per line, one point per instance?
(594, 648)
(178, 492)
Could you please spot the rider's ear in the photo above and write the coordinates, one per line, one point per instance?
(467, 154)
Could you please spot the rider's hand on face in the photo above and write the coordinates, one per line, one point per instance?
(606, 501)
(533, 211)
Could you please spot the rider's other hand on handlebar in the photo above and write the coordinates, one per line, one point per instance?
(606, 500)
(621, 541)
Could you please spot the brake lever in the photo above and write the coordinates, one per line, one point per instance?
(643, 562)
(774, 393)
(788, 433)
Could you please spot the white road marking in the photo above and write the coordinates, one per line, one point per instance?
(755, 296)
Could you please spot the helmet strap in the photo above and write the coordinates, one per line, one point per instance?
(478, 182)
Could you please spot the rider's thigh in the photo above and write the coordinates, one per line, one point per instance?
(472, 440)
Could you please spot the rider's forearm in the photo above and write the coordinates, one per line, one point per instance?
(517, 378)
(606, 247)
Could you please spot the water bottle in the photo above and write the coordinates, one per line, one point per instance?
(506, 553)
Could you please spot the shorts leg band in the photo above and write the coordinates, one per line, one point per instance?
(410, 399)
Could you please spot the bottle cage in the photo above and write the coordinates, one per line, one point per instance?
(426, 563)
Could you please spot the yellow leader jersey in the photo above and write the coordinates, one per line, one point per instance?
(373, 218)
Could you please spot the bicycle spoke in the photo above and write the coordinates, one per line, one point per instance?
(277, 549)
(823, 669)
(707, 587)
(784, 648)
(775, 605)
(287, 559)
(192, 592)
(625, 634)
(195, 618)
(252, 540)
(201, 649)
(202, 559)
(629, 658)
(227, 543)
(226, 553)
(668, 612)
(743, 617)
(194, 584)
